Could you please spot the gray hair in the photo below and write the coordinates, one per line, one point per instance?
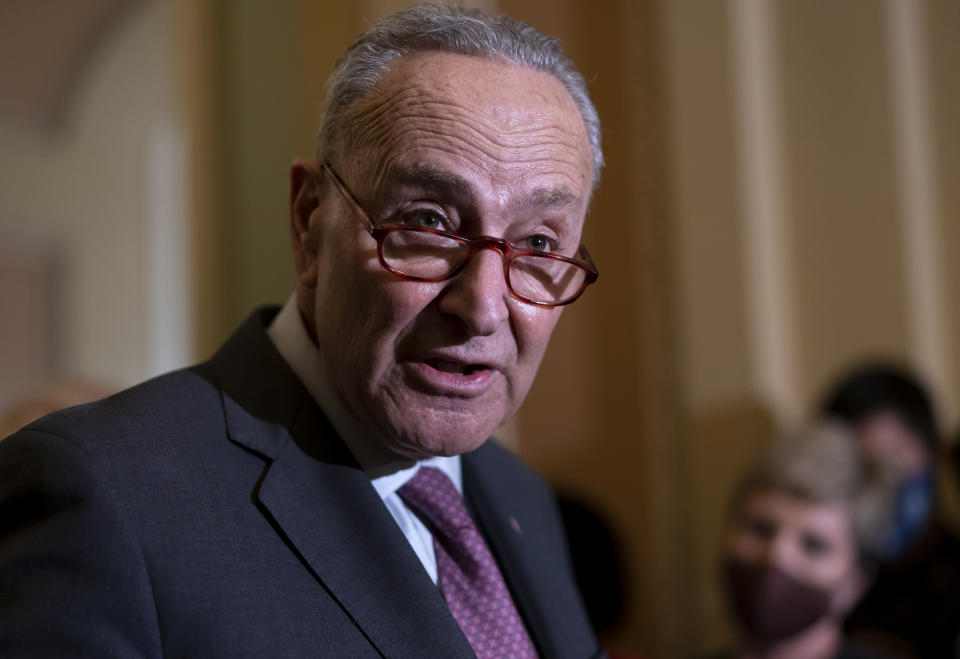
(432, 27)
(820, 464)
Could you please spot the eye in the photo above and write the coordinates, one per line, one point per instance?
(538, 243)
(426, 218)
(761, 527)
(815, 546)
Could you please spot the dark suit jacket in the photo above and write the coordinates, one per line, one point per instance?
(214, 512)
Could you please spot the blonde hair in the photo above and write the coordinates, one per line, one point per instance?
(820, 463)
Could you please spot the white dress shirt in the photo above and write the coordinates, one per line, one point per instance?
(387, 471)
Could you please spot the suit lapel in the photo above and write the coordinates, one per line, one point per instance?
(333, 516)
(325, 506)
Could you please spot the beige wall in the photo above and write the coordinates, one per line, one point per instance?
(943, 50)
(84, 188)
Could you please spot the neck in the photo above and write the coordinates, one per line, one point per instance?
(821, 641)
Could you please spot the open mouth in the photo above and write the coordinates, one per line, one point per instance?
(456, 368)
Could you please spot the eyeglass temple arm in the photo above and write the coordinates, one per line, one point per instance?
(341, 186)
(585, 257)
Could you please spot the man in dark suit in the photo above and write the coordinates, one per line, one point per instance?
(324, 485)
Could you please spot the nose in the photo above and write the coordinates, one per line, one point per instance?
(781, 551)
(478, 295)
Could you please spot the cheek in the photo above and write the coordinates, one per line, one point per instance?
(353, 309)
(532, 327)
(877, 448)
(834, 569)
(385, 311)
(821, 571)
(356, 283)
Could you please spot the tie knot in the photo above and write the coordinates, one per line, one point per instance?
(432, 494)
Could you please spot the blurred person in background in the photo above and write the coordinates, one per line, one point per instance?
(916, 594)
(802, 530)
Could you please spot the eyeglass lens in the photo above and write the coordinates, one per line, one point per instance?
(536, 277)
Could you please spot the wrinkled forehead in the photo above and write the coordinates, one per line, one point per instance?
(510, 122)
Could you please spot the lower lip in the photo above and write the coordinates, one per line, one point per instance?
(435, 381)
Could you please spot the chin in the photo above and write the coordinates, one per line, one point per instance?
(428, 443)
(419, 426)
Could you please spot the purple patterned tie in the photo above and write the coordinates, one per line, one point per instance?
(469, 578)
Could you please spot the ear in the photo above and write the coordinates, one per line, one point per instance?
(305, 196)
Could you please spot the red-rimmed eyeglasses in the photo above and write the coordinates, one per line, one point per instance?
(431, 255)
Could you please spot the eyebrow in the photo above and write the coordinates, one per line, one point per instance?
(549, 198)
(431, 176)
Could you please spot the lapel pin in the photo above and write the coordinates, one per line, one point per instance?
(515, 524)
